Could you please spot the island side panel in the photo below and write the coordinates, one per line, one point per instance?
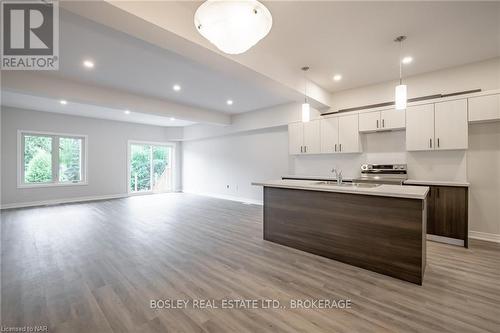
(382, 234)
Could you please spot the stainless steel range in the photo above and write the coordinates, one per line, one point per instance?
(394, 174)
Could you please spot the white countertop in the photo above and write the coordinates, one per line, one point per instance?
(437, 182)
(315, 177)
(405, 191)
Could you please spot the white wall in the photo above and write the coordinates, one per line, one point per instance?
(107, 153)
(482, 75)
(483, 170)
(226, 166)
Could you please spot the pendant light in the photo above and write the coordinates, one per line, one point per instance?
(233, 26)
(401, 94)
(306, 108)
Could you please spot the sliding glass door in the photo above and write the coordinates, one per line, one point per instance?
(150, 167)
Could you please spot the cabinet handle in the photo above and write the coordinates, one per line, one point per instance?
(430, 142)
(305, 149)
(335, 147)
(383, 122)
(377, 123)
(340, 145)
(438, 142)
(438, 192)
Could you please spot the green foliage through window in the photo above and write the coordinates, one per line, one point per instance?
(38, 157)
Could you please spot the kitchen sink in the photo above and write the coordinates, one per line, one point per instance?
(360, 185)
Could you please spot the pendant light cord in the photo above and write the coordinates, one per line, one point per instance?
(400, 62)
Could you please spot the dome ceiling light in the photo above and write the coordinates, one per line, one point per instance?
(233, 26)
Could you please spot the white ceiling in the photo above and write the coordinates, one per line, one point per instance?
(355, 38)
(126, 63)
(37, 103)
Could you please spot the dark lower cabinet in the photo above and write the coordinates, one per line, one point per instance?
(447, 212)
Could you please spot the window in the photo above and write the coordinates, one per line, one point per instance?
(150, 167)
(47, 159)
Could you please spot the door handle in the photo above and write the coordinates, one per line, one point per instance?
(438, 142)
(377, 123)
(430, 142)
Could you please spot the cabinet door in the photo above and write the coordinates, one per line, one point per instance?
(451, 125)
(369, 121)
(295, 138)
(484, 108)
(349, 134)
(329, 128)
(449, 213)
(312, 137)
(420, 127)
(392, 119)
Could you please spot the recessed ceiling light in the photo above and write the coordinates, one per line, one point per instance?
(126, 111)
(407, 60)
(63, 102)
(172, 119)
(337, 77)
(229, 102)
(88, 64)
(176, 87)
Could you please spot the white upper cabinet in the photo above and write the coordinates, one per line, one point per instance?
(484, 108)
(304, 138)
(392, 119)
(384, 120)
(369, 121)
(312, 137)
(349, 134)
(420, 127)
(295, 138)
(451, 126)
(329, 135)
(439, 126)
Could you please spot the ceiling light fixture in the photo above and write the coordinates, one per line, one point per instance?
(176, 87)
(88, 64)
(126, 111)
(401, 93)
(229, 102)
(407, 60)
(306, 108)
(233, 26)
(172, 119)
(337, 77)
(63, 102)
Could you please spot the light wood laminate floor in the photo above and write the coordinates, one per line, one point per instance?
(94, 267)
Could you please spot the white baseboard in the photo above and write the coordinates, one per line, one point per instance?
(228, 197)
(62, 201)
(485, 236)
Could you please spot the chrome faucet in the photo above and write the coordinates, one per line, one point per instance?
(338, 175)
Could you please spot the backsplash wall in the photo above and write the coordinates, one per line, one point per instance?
(384, 148)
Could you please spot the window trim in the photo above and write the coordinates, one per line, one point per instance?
(152, 143)
(55, 159)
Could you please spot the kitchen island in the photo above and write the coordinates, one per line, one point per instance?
(381, 228)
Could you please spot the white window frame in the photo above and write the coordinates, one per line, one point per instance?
(55, 159)
(152, 143)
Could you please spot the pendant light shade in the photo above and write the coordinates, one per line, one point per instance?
(306, 112)
(233, 26)
(401, 97)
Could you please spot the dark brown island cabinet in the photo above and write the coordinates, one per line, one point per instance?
(384, 234)
(448, 214)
